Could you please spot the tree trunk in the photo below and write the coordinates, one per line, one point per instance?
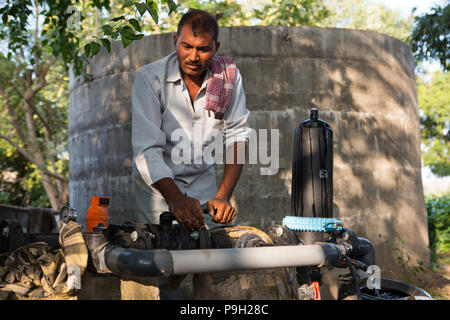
(51, 191)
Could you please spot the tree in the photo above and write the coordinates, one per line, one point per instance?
(40, 46)
(434, 104)
(366, 15)
(227, 12)
(20, 183)
(292, 12)
(33, 123)
(58, 33)
(430, 37)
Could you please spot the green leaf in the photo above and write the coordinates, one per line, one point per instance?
(135, 24)
(126, 42)
(107, 44)
(87, 50)
(117, 18)
(127, 32)
(95, 48)
(141, 7)
(128, 3)
(152, 8)
(107, 29)
(172, 6)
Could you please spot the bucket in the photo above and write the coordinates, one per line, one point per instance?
(392, 290)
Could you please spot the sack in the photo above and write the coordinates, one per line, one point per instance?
(36, 271)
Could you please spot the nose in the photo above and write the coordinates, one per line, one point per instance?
(193, 55)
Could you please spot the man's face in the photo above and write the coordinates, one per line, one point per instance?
(195, 53)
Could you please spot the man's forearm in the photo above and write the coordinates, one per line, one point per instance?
(168, 189)
(231, 175)
(230, 178)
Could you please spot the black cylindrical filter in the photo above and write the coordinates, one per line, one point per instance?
(312, 169)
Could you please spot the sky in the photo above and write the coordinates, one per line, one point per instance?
(405, 6)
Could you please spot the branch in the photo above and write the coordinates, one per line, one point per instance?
(54, 175)
(30, 158)
(17, 147)
(32, 106)
(12, 114)
(41, 73)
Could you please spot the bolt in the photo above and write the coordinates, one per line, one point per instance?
(194, 235)
(5, 232)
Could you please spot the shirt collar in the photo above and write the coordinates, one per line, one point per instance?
(173, 72)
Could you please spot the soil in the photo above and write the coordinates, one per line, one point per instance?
(438, 282)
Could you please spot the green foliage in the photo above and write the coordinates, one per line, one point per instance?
(62, 27)
(366, 15)
(292, 13)
(434, 105)
(430, 37)
(20, 184)
(13, 167)
(128, 27)
(227, 12)
(438, 210)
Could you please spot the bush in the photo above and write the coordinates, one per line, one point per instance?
(438, 210)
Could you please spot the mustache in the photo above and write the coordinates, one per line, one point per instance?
(195, 64)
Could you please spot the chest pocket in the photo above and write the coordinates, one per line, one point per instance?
(212, 125)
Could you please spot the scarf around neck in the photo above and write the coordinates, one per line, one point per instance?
(219, 88)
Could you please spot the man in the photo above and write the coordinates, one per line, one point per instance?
(177, 94)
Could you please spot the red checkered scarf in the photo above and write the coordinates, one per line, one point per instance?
(219, 88)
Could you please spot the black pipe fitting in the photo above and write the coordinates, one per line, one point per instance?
(332, 254)
(364, 252)
(135, 264)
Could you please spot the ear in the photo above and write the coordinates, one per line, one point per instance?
(217, 46)
(175, 38)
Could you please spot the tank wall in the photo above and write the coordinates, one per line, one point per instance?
(364, 86)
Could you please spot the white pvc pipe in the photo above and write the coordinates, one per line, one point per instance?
(213, 260)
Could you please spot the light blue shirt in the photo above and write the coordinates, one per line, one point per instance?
(161, 107)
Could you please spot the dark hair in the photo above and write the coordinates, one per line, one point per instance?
(200, 21)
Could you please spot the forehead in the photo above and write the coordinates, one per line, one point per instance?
(200, 37)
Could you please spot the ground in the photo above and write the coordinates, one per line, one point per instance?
(438, 283)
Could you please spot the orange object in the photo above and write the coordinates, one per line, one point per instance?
(316, 290)
(97, 214)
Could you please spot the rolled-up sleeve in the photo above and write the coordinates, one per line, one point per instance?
(236, 115)
(148, 140)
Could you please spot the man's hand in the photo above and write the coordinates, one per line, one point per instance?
(223, 210)
(188, 211)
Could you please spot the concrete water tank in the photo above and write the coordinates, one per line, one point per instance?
(364, 86)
